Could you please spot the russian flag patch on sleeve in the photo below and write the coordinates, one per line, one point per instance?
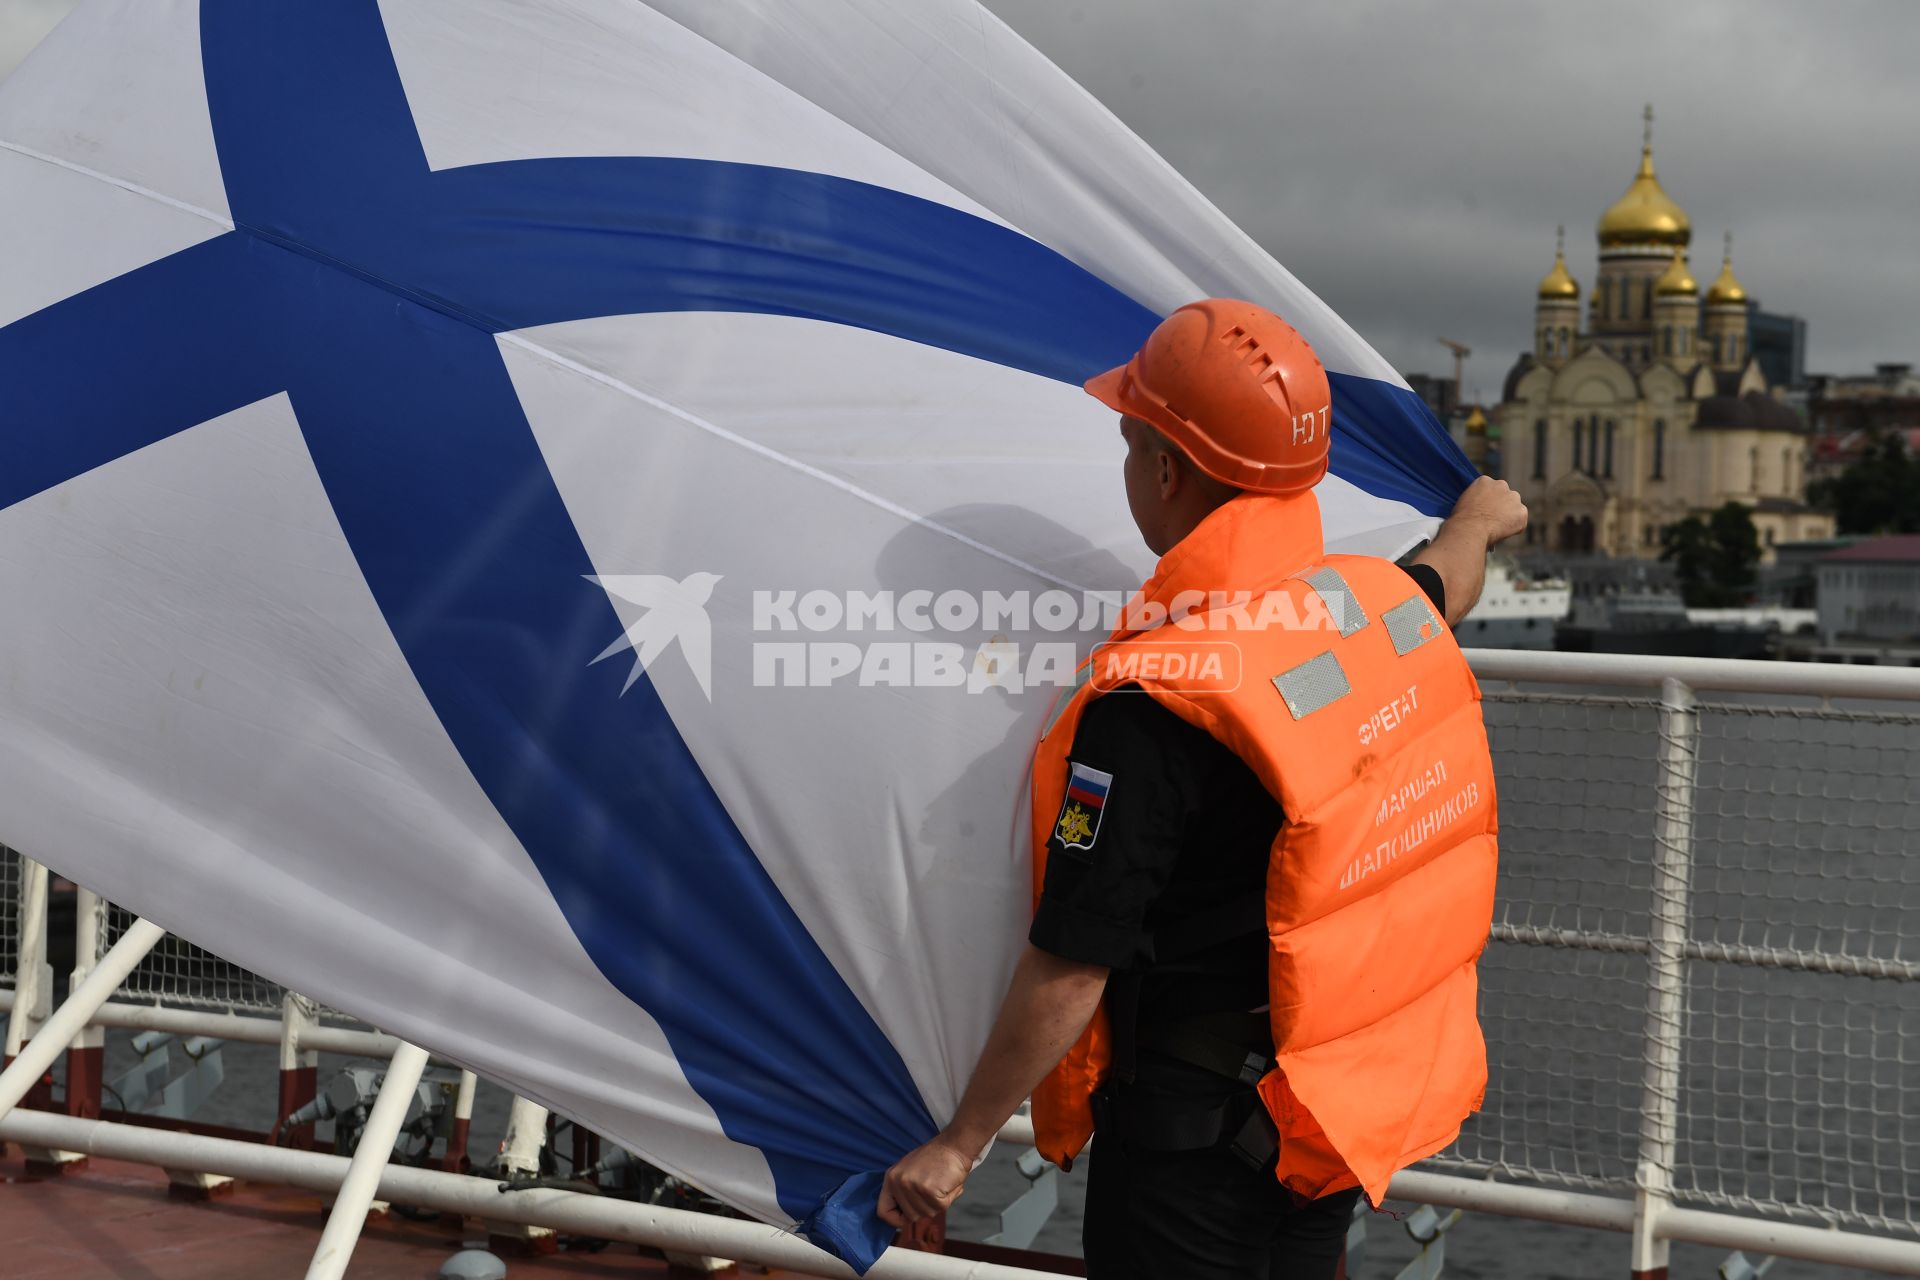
(1079, 823)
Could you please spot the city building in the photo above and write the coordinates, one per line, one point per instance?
(1780, 345)
(1437, 392)
(1849, 414)
(1793, 579)
(1870, 591)
(1888, 384)
(1653, 406)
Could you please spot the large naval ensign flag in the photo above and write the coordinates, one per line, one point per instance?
(373, 377)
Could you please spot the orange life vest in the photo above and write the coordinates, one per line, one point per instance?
(1331, 677)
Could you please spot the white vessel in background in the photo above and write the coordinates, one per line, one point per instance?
(1514, 611)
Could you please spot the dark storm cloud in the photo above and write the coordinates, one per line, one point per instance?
(1409, 161)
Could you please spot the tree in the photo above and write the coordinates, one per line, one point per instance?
(1713, 558)
(1879, 492)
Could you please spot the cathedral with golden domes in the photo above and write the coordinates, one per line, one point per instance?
(1654, 410)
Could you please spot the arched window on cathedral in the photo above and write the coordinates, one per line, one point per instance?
(1540, 449)
(1565, 343)
(1666, 339)
(1579, 439)
(1786, 470)
(1659, 449)
(1607, 467)
(1753, 469)
(1646, 298)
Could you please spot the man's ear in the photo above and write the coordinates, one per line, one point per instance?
(1170, 471)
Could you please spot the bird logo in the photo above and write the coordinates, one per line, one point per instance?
(670, 610)
(1075, 826)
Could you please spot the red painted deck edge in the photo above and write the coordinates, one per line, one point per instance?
(114, 1220)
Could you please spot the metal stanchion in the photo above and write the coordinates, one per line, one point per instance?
(50, 1040)
(32, 980)
(299, 1068)
(350, 1206)
(457, 1133)
(1666, 978)
(520, 1155)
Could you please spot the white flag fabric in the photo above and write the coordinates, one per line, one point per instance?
(552, 525)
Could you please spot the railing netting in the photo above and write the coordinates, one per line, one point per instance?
(1800, 1040)
(10, 893)
(176, 972)
(1801, 1057)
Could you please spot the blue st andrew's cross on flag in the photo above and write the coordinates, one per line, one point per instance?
(369, 290)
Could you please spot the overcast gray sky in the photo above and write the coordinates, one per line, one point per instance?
(1409, 160)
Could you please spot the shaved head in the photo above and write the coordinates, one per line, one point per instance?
(1167, 494)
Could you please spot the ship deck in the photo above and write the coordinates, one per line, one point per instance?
(117, 1221)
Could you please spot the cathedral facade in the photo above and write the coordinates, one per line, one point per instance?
(1654, 409)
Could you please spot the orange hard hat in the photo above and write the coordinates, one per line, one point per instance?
(1236, 389)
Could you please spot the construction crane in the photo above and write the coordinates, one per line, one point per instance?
(1460, 353)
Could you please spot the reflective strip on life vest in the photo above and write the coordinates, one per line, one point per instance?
(1410, 624)
(1342, 605)
(1315, 683)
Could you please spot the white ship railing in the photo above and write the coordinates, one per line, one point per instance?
(1698, 991)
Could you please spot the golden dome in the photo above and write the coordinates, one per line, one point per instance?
(1645, 214)
(1559, 282)
(1726, 287)
(1677, 280)
(1476, 421)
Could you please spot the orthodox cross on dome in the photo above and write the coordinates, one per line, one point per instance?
(1646, 135)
